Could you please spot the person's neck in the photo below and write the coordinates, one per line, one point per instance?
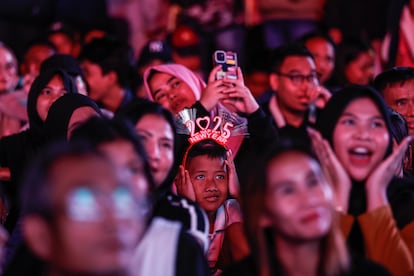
(292, 118)
(211, 219)
(113, 99)
(298, 258)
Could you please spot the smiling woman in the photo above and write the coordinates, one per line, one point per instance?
(374, 206)
(173, 86)
(290, 218)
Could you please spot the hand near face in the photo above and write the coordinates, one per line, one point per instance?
(378, 180)
(213, 91)
(332, 168)
(238, 95)
(183, 183)
(320, 96)
(234, 185)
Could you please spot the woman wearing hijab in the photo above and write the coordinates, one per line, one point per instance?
(18, 149)
(68, 112)
(176, 87)
(65, 114)
(376, 208)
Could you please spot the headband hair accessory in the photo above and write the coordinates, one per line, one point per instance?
(218, 128)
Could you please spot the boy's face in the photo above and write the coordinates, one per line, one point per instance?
(210, 181)
(98, 81)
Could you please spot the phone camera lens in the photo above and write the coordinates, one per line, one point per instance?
(220, 57)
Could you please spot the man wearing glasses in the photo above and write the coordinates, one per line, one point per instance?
(296, 88)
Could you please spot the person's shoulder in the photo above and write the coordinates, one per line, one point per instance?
(179, 208)
(362, 266)
(192, 217)
(244, 267)
(16, 141)
(400, 194)
(401, 188)
(263, 99)
(190, 257)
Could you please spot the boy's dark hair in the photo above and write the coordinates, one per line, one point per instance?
(111, 55)
(207, 147)
(35, 196)
(281, 53)
(395, 75)
(97, 131)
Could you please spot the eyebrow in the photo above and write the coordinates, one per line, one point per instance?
(200, 171)
(171, 79)
(167, 139)
(160, 89)
(144, 131)
(279, 184)
(296, 71)
(354, 115)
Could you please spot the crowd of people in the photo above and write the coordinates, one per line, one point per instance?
(118, 162)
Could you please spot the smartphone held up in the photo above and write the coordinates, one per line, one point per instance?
(228, 62)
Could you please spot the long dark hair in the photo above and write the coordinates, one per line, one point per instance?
(333, 254)
(333, 110)
(134, 111)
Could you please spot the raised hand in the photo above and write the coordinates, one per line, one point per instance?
(238, 95)
(377, 182)
(333, 169)
(213, 91)
(320, 96)
(184, 185)
(234, 184)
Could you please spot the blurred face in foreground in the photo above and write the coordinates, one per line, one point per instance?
(97, 220)
(298, 201)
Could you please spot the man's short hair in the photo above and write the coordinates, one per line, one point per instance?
(395, 75)
(36, 195)
(111, 55)
(209, 148)
(281, 53)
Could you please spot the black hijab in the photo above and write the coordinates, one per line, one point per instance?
(400, 192)
(327, 122)
(36, 124)
(57, 121)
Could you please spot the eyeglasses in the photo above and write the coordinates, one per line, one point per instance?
(85, 204)
(298, 79)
